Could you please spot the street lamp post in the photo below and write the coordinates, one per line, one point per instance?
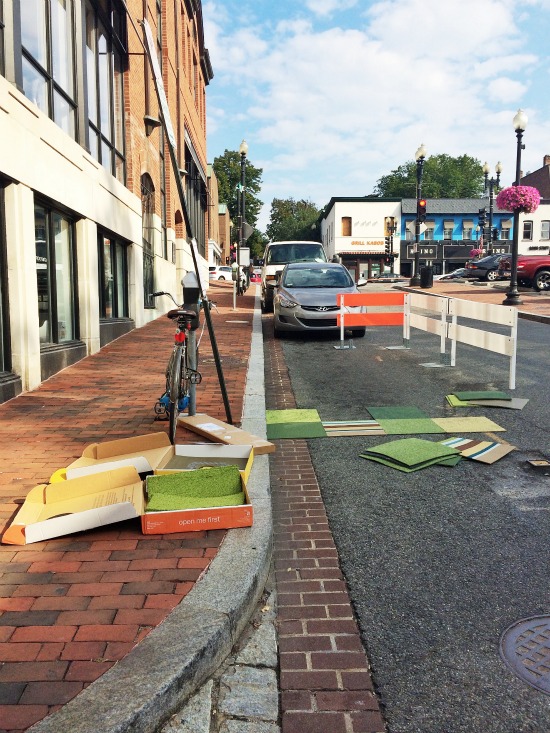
(420, 157)
(491, 183)
(243, 150)
(512, 296)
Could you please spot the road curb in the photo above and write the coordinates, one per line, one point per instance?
(155, 679)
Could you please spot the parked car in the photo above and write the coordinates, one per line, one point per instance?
(305, 297)
(256, 276)
(461, 272)
(276, 256)
(485, 268)
(534, 271)
(220, 272)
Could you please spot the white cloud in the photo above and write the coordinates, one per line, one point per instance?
(330, 111)
(328, 7)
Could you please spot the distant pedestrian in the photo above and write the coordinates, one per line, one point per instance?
(249, 271)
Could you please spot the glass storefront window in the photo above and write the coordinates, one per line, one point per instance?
(113, 277)
(55, 276)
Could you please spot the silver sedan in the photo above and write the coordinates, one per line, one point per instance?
(305, 297)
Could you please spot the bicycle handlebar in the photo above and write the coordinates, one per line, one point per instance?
(201, 302)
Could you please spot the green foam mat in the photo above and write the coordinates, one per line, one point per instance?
(278, 431)
(217, 481)
(411, 469)
(410, 426)
(391, 412)
(273, 417)
(482, 395)
(479, 424)
(170, 502)
(410, 452)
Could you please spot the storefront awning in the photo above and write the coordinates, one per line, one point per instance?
(506, 224)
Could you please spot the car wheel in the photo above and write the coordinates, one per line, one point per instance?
(276, 333)
(542, 280)
(221, 277)
(358, 332)
(492, 275)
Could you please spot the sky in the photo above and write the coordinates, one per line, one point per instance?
(331, 95)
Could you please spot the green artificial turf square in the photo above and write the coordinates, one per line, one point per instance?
(279, 431)
(482, 395)
(410, 426)
(273, 417)
(410, 452)
(391, 412)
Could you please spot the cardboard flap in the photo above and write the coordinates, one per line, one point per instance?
(84, 485)
(126, 445)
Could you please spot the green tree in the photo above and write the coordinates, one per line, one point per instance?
(444, 177)
(228, 172)
(290, 219)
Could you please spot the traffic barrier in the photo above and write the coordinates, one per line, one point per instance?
(435, 319)
(488, 313)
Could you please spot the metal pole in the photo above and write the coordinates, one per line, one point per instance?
(415, 280)
(241, 222)
(512, 296)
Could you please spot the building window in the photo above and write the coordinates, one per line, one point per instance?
(429, 233)
(55, 274)
(346, 226)
(113, 277)
(528, 230)
(447, 233)
(47, 36)
(467, 232)
(545, 230)
(148, 228)
(505, 234)
(105, 54)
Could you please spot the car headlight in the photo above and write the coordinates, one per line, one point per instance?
(286, 303)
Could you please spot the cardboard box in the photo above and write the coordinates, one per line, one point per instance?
(203, 455)
(154, 452)
(221, 432)
(196, 520)
(77, 504)
(143, 452)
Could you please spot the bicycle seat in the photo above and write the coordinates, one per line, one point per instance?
(181, 313)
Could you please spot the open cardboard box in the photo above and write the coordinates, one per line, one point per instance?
(221, 432)
(77, 504)
(154, 452)
(195, 520)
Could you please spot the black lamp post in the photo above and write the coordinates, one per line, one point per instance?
(512, 296)
(243, 150)
(491, 184)
(420, 157)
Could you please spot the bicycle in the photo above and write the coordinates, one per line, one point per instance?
(182, 375)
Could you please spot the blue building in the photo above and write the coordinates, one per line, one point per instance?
(452, 230)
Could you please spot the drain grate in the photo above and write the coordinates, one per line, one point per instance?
(525, 647)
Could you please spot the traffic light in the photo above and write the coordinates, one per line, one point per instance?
(494, 234)
(387, 245)
(421, 210)
(482, 218)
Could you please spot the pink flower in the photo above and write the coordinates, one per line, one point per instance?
(519, 198)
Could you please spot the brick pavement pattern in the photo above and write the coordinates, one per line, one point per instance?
(72, 607)
(325, 681)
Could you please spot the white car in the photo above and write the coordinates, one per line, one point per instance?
(220, 272)
(225, 272)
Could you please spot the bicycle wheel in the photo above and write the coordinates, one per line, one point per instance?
(174, 392)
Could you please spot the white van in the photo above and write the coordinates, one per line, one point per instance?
(279, 254)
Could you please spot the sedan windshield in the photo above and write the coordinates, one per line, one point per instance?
(317, 278)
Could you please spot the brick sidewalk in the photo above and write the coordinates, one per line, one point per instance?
(72, 607)
(325, 681)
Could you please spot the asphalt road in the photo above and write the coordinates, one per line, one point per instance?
(441, 561)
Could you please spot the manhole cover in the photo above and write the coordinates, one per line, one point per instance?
(525, 647)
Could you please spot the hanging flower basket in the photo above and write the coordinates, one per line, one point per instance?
(525, 199)
(477, 252)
